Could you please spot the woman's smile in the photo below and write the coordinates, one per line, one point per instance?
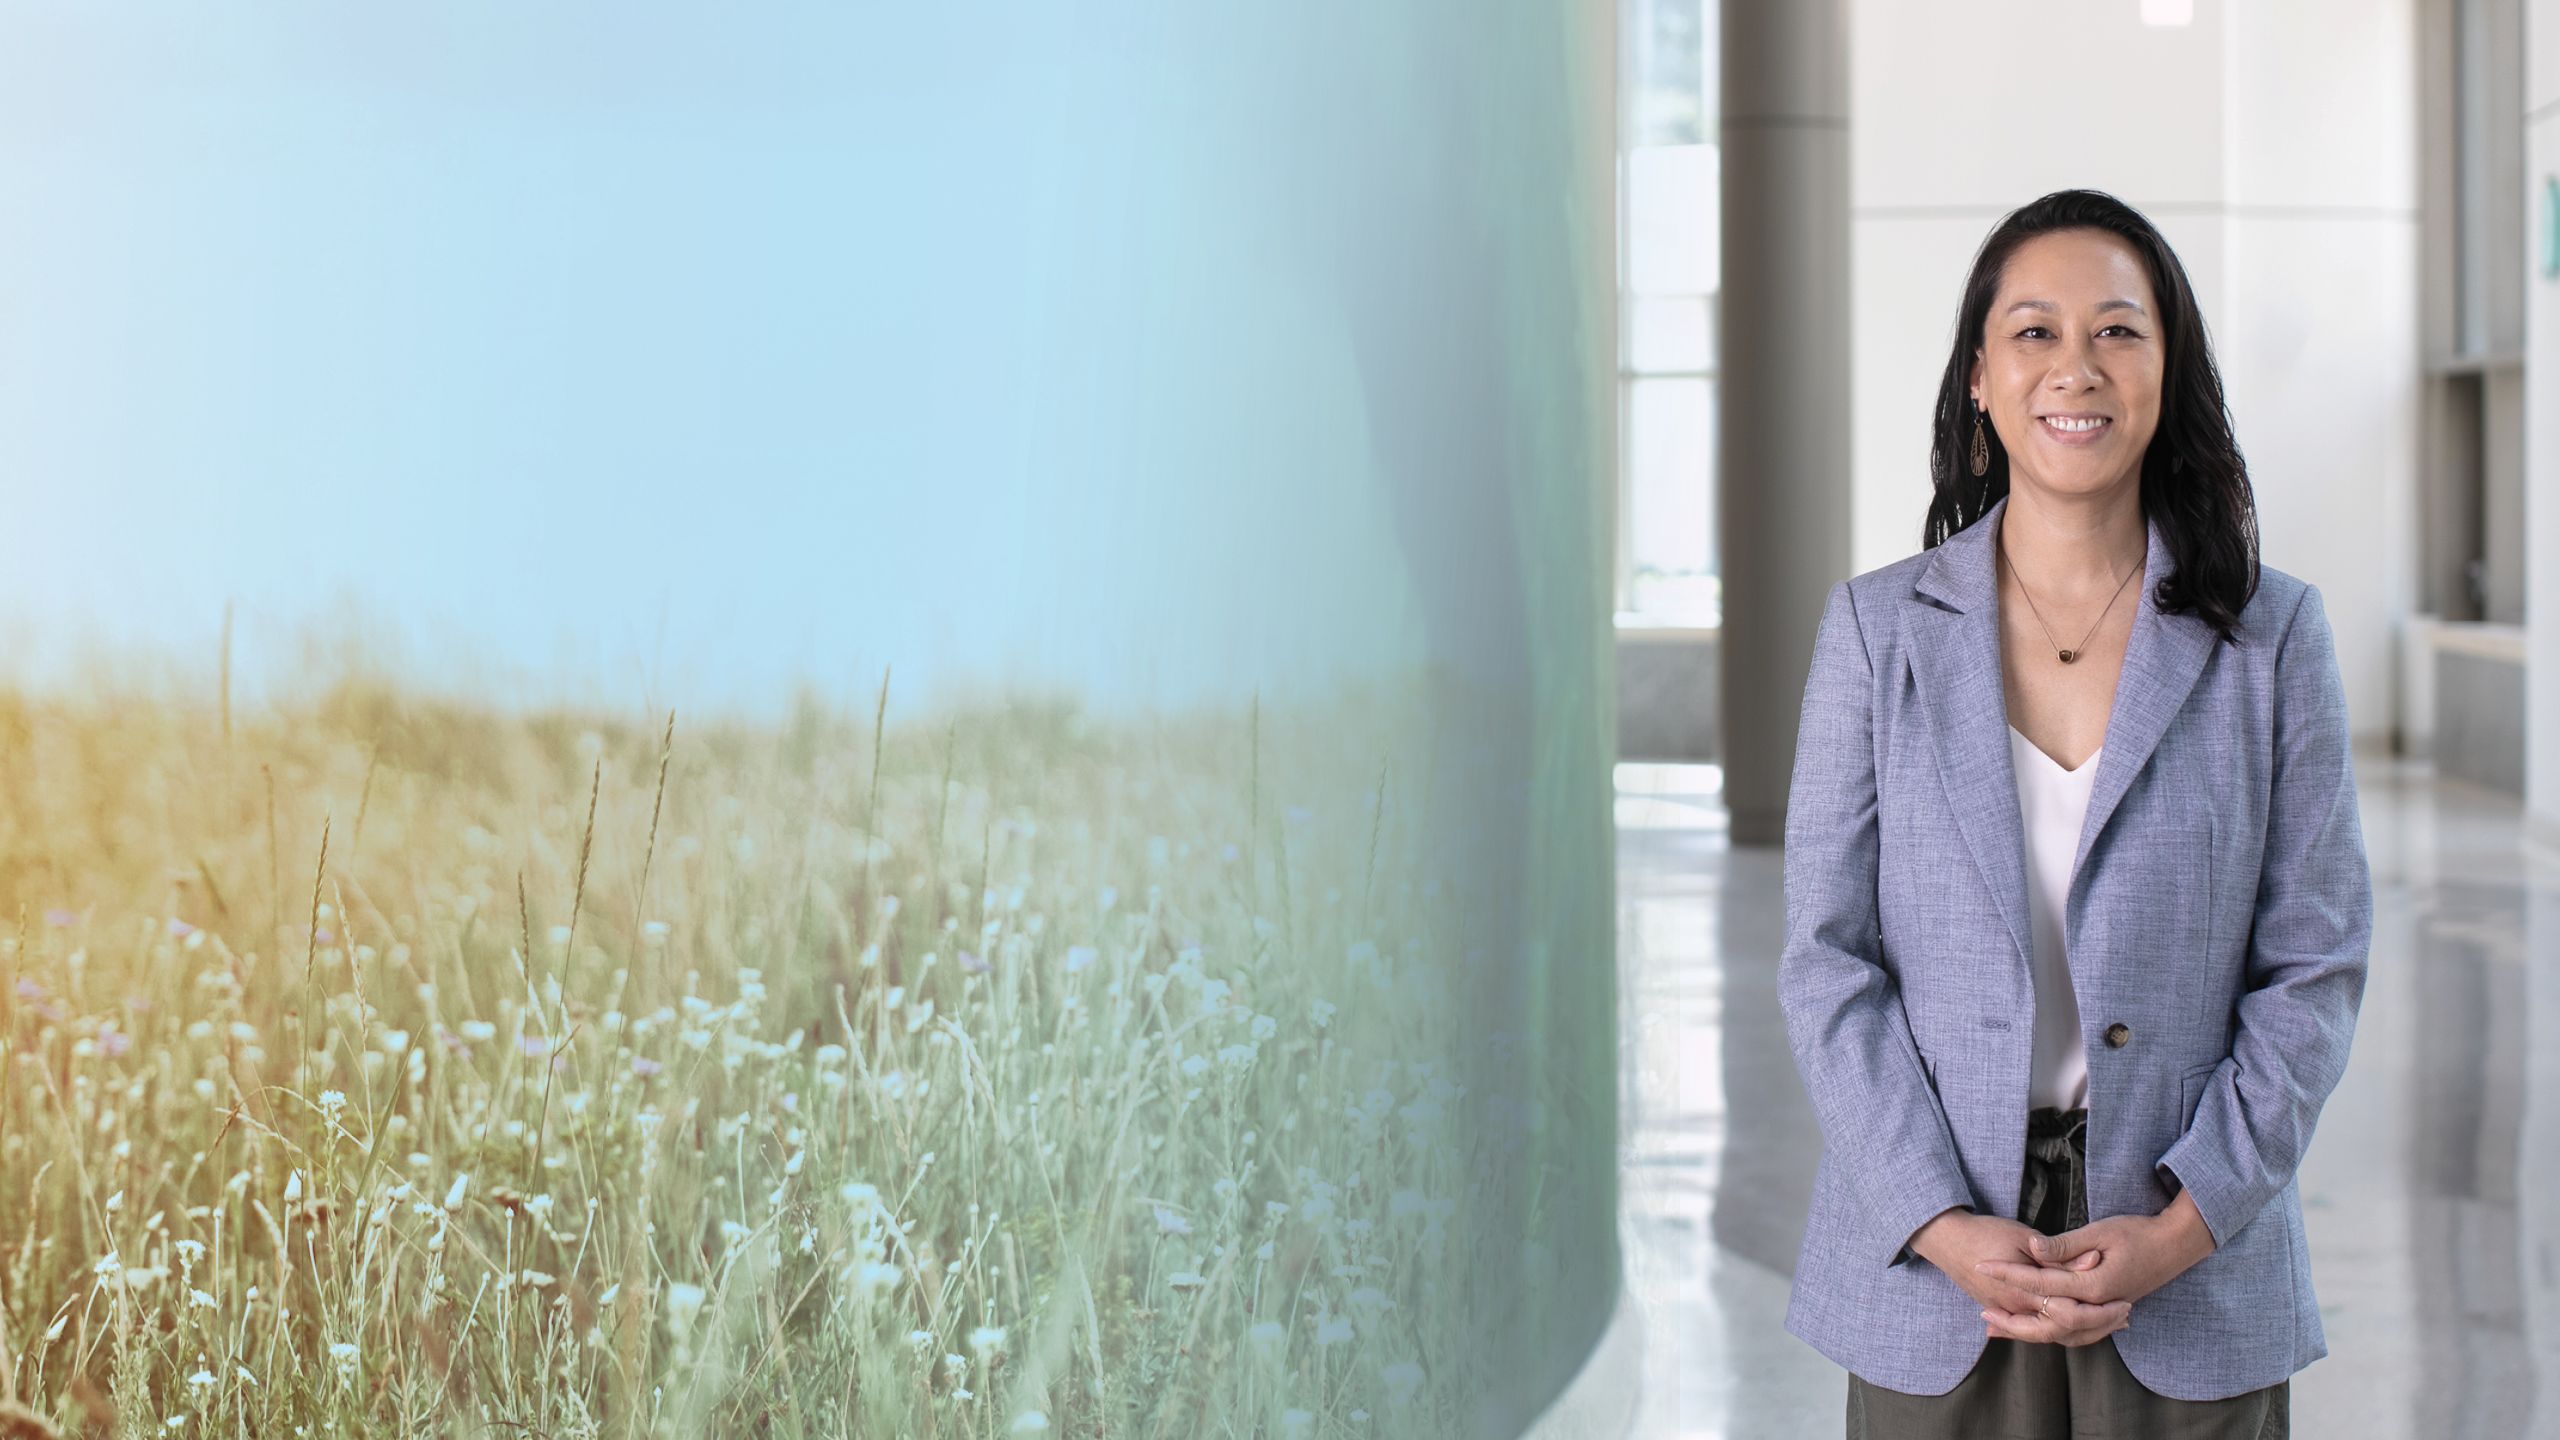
(2075, 430)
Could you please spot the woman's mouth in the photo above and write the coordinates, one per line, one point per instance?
(2068, 431)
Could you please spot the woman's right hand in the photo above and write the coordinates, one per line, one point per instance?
(1958, 1239)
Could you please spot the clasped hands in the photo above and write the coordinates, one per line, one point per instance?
(2076, 1288)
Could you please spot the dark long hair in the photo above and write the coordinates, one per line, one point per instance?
(2194, 483)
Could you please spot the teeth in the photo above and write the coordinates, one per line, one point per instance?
(2061, 424)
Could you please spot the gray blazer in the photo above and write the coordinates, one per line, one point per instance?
(2219, 913)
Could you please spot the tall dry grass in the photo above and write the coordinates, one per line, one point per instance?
(391, 1066)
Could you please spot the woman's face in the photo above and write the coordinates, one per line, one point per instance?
(2072, 332)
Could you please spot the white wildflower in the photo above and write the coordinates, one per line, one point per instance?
(683, 1303)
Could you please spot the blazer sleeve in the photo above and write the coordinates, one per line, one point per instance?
(1852, 1042)
(2309, 935)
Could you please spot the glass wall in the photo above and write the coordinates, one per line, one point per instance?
(807, 721)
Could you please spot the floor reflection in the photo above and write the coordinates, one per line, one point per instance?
(2431, 1197)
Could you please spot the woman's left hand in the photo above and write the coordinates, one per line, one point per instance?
(2136, 1254)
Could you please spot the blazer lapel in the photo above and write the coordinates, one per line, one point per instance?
(2161, 663)
(1955, 661)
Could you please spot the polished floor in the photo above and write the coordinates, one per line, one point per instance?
(2431, 1193)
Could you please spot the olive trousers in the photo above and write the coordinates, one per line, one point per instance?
(2023, 1390)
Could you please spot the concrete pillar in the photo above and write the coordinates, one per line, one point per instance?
(1782, 416)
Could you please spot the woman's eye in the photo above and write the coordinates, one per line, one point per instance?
(2035, 329)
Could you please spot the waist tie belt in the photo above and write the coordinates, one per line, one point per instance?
(2055, 1194)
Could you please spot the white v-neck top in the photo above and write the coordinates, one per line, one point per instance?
(2052, 802)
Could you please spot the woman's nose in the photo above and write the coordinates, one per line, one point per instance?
(2075, 363)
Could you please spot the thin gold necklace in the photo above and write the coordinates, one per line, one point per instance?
(2083, 647)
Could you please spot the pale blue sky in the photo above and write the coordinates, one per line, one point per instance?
(691, 353)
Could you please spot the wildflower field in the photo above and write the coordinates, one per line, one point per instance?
(387, 1066)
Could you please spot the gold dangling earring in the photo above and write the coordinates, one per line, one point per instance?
(1981, 456)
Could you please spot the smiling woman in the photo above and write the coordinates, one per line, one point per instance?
(2057, 1080)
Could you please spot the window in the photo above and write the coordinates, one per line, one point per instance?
(1667, 293)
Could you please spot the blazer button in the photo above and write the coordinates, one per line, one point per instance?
(2118, 1034)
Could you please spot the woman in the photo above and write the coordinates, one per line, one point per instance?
(2077, 901)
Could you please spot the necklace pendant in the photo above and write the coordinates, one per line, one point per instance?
(2066, 657)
